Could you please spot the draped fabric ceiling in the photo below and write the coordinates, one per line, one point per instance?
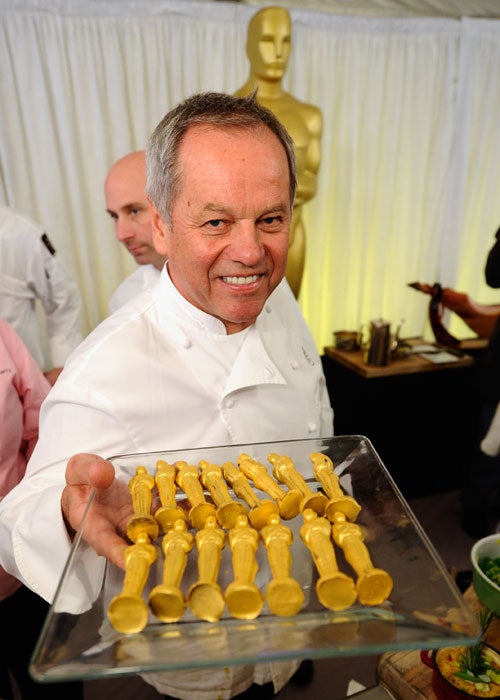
(409, 184)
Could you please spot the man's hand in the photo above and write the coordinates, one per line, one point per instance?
(110, 509)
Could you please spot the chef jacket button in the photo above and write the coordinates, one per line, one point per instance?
(186, 343)
(268, 309)
(294, 364)
(312, 427)
(229, 403)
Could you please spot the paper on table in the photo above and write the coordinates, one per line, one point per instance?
(423, 348)
(439, 357)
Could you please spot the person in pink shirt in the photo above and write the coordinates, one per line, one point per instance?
(23, 387)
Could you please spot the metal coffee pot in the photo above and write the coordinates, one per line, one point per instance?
(379, 345)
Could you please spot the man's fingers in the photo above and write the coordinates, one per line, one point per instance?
(89, 470)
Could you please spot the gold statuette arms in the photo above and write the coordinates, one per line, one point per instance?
(334, 589)
(288, 501)
(243, 598)
(188, 478)
(339, 502)
(167, 600)
(169, 511)
(140, 487)
(284, 595)
(284, 470)
(373, 585)
(260, 510)
(127, 612)
(228, 509)
(205, 597)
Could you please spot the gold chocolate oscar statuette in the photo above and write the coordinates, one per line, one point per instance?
(339, 501)
(288, 501)
(260, 510)
(188, 478)
(373, 585)
(228, 509)
(334, 589)
(243, 598)
(167, 600)
(205, 598)
(284, 470)
(169, 511)
(140, 487)
(127, 611)
(284, 595)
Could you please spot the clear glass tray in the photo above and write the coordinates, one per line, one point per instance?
(424, 610)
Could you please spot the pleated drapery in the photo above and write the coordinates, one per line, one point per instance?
(409, 184)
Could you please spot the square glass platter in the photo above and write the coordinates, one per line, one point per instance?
(425, 609)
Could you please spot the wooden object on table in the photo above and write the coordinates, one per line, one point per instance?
(408, 678)
(411, 364)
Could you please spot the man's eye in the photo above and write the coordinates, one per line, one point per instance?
(271, 220)
(215, 223)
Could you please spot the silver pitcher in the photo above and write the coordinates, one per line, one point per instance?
(379, 344)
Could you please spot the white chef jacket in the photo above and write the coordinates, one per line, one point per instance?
(30, 271)
(144, 277)
(159, 374)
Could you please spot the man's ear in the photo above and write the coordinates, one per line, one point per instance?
(160, 231)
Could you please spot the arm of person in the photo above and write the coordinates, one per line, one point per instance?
(38, 518)
(38, 521)
(492, 268)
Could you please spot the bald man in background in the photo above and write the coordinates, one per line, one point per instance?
(128, 206)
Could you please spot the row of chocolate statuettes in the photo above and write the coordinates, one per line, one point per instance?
(328, 519)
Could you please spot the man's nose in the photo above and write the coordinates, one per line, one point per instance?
(247, 244)
(124, 229)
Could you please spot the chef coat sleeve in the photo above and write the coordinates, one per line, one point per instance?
(61, 302)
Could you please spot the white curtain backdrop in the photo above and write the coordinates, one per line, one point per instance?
(409, 182)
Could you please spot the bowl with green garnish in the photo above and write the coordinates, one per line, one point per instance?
(485, 558)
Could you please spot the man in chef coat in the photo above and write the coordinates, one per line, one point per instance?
(217, 353)
(127, 205)
(32, 273)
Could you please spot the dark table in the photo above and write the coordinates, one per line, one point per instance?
(421, 417)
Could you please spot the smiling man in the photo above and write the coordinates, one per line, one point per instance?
(217, 353)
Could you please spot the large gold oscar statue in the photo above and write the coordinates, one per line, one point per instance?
(268, 49)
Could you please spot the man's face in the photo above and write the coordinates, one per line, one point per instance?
(128, 206)
(228, 242)
(269, 44)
